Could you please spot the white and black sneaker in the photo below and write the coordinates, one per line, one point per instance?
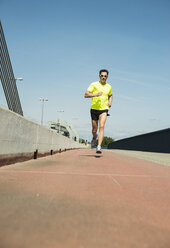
(98, 149)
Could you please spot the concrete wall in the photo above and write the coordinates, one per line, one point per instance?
(158, 141)
(20, 138)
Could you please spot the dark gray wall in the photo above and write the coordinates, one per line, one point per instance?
(158, 141)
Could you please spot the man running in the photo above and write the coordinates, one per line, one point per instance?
(101, 94)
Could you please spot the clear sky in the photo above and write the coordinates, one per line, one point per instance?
(58, 47)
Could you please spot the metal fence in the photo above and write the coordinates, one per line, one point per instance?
(7, 77)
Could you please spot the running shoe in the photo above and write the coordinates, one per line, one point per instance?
(98, 149)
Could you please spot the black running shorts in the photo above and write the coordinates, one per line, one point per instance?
(95, 113)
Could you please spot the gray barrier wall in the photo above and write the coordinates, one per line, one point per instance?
(158, 141)
(22, 139)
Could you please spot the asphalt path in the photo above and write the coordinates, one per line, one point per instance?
(156, 157)
(83, 200)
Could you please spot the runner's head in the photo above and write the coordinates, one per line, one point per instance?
(103, 74)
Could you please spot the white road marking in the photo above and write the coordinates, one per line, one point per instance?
(115, 181)
(81, 174)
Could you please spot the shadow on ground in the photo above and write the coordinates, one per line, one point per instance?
(95, 156)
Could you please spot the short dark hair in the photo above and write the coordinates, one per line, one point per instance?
(103, 70)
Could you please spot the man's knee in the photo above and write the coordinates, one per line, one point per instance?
(94, 129)
(101, 127)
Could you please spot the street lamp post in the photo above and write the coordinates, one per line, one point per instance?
(42, 112)
(59, 111)
(19, 79)
(16, 79)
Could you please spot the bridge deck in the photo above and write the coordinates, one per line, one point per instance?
(77, 199)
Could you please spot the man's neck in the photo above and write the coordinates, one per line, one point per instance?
(102, 83)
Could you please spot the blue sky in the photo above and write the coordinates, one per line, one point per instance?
(58, 47)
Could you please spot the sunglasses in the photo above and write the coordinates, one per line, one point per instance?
(103, 76)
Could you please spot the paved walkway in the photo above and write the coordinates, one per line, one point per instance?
(79, 200)
(160, 158)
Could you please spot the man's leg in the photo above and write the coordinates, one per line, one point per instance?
(94, 133)
(102, 120)
(94, 128)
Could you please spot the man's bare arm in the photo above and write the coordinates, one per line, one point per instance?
(88, 94)
(110, 99)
